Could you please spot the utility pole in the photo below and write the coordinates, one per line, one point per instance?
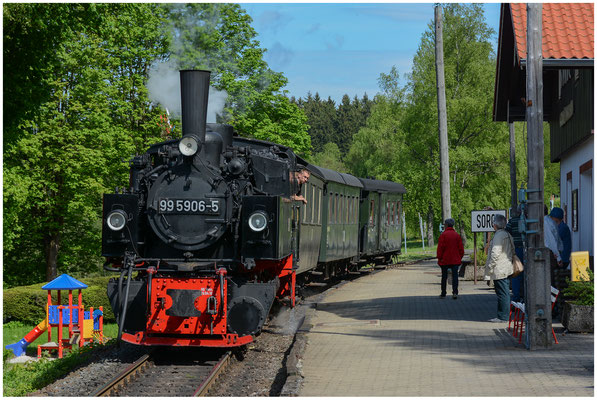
(441, 111)
(537, 271)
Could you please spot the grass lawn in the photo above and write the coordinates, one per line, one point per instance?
(414, 251)
(21, 379)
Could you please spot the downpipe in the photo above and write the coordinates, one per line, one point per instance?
(124, 303)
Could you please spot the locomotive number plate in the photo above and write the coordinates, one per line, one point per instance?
(189, 206)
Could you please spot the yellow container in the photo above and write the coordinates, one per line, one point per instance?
(579, 263)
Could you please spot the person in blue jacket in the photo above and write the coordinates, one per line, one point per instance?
(563, 270)
(557, 214)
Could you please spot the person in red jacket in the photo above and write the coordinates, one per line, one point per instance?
(449, 255)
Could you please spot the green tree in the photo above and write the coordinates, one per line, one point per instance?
(350, 117)
(329, 158)
(478, 146)
(68, 147)
(321, 117)
(219, 37)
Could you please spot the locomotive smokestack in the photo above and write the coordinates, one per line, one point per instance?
(194, 90)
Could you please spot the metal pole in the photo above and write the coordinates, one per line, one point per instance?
(475, 257)
(421, 227)
(537, 274)
(442, 115)
(404, 232)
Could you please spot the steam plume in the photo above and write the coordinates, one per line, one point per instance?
(164, 88)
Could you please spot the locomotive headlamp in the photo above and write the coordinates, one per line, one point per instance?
(116, 220)
(258, 221)
(189, 145)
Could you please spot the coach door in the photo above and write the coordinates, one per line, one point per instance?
(297, 211)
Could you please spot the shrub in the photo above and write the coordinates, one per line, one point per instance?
(581, 292)
(27, 303)
(481, 257)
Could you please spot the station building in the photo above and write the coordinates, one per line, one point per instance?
(568, 99)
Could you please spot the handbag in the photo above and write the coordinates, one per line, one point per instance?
(517, 265)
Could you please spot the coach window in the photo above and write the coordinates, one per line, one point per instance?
(333, 209)
(372, 212)
(318, 206)
(341, 209)
(346, 209)
(388, 212)
(350, 210)
(331, 212)
(338, 208)
(312, 194)
(306, 207)
(314, 208)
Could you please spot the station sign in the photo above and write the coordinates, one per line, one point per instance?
(482, 221)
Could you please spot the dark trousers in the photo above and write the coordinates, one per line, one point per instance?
(518, 282)
(558, 280)
(454, 269)
(502, 289)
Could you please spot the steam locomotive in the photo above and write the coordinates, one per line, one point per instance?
(210, 227)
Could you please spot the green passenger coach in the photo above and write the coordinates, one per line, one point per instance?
(380, 227)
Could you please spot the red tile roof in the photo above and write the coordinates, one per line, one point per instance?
(568, 30)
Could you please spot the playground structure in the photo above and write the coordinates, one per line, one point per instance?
(83, 326)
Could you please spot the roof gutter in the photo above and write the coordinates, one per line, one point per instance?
(563, 63)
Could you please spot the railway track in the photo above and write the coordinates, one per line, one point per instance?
(168, 373)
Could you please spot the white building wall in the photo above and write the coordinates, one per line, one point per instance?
(582, 239)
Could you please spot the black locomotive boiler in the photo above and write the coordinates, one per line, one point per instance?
(209, 226)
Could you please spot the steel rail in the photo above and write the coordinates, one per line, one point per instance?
(123, 378)
(210, 380)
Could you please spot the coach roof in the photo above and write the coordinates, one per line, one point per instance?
(334, 176)
(382, 186)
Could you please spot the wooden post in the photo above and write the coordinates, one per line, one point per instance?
(475, 257)
(537, 273)
(442, 115)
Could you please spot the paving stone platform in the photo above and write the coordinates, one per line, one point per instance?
(389, 334)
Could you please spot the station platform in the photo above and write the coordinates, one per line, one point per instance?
(389, 334)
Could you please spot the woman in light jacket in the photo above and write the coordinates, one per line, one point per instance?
(499, 267)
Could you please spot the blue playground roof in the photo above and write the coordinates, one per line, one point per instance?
(64, 282)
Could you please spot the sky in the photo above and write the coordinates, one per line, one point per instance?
(338, 48)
